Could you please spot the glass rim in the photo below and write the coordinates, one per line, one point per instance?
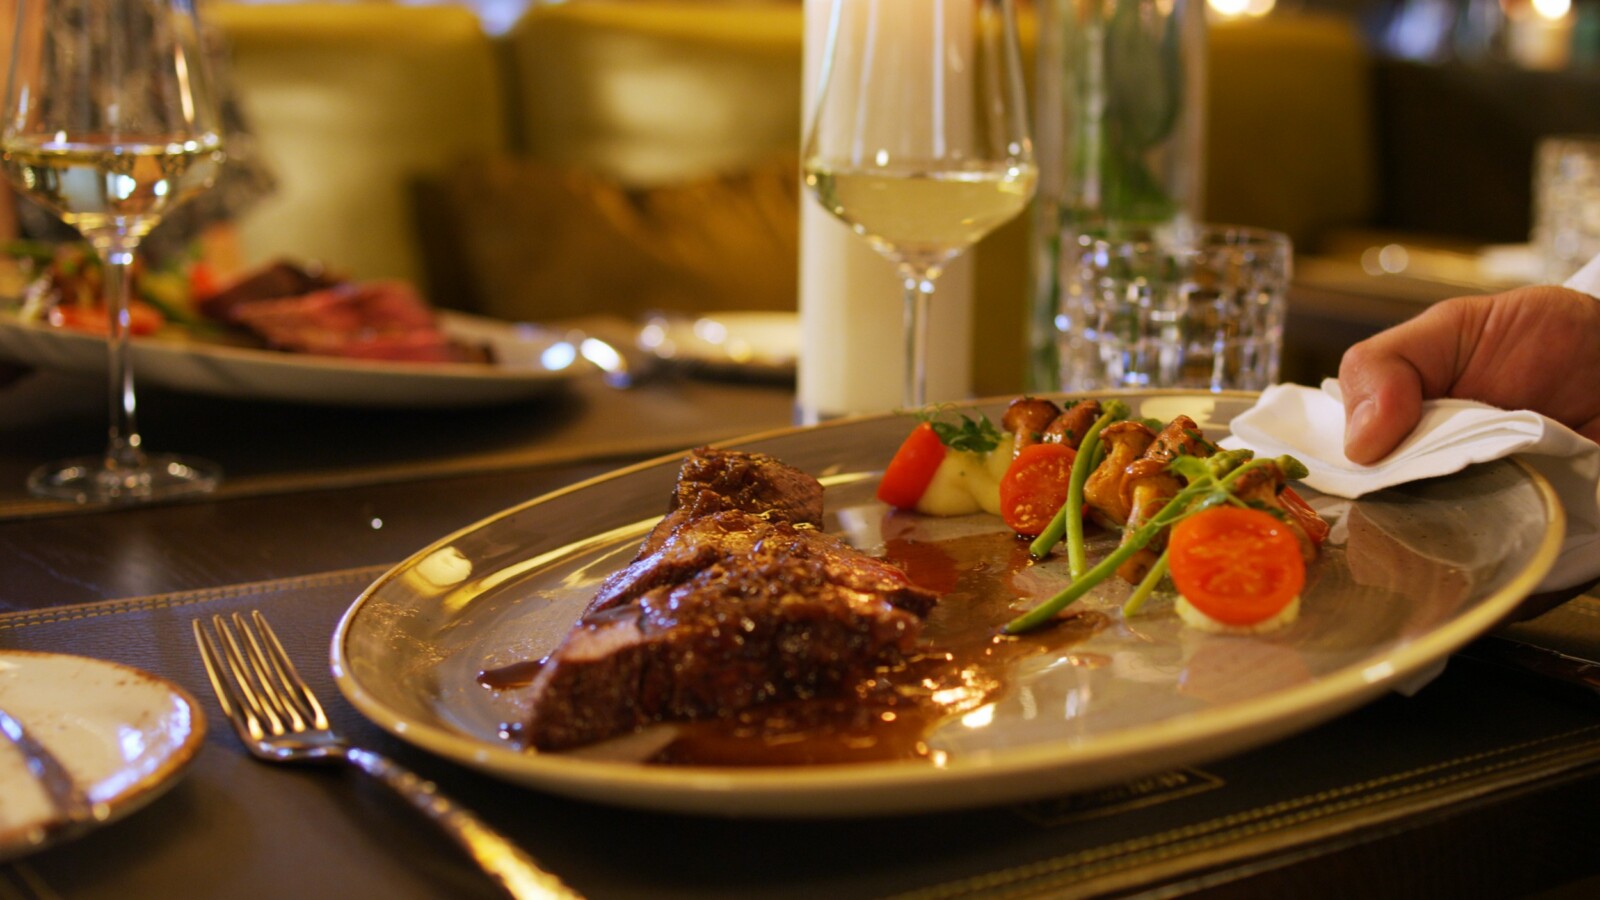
(1201, 234)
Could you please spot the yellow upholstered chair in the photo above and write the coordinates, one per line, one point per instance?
(612, 156)
(649, 96)
(658, 93)
(351, 103)
(655, 166)
(1290, 139)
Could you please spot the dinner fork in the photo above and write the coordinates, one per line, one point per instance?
(278, 718)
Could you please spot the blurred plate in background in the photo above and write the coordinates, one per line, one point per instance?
(529, 362)
(757, 345)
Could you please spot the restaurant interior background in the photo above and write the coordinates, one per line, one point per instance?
(610, 157)
(606, 156)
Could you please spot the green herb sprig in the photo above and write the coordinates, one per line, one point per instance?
(973, 435)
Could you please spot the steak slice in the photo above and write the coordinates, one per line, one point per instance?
(724, 610)
(713, 481)
(309, 311)
(382, 320)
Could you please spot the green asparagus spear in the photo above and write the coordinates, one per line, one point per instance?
(1147, 586)
(1069, 519)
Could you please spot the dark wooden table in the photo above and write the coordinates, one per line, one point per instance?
(312, 489)
(1435, 795)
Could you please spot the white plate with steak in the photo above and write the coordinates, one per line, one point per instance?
(519, 366)
(756, 653)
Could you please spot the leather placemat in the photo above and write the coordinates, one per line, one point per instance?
(1572, 629)
(237, 828)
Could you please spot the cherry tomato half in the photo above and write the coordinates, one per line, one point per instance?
(142, 318)
(1239, 566)
(203, 281)
(1035, 486)
(911, 470)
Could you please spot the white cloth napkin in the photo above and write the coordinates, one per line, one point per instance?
(1586, 279)
(1308, 424)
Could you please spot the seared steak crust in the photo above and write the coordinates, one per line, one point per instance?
(741, 601)
(713, 481)
(716, 480)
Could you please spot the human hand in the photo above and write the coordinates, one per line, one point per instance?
(1532, 348)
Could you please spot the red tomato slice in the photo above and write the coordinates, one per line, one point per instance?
(1239, 566)
(911, 470)
(142, 318)
(203, 281)
(1035, 486)
(1314, 525)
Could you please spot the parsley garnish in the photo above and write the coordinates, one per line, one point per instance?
(973, 435)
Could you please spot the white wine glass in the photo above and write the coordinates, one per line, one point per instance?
(919, 140)
(110, 123)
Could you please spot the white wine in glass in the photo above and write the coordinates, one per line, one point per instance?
(919, 142)
(110, 123)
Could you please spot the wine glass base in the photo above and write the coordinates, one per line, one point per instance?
(89, 479)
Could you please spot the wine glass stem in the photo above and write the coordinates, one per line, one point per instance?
(122, 450)
(919, 290)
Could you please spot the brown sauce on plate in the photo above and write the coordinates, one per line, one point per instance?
(516, 675)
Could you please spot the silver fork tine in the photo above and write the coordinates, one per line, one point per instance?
(222, 684)
(288, 676)
(267, 678)
(258, 706)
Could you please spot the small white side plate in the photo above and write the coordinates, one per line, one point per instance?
(125, 736)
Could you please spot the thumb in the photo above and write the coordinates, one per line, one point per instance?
(1385, 377)
(1382, 402)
